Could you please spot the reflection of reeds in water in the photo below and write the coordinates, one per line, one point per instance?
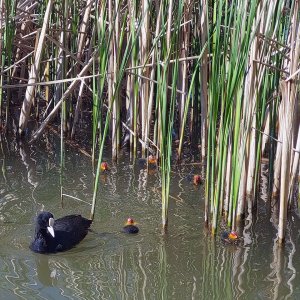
(162, 258)
(127, 277)
(226, 271)
(142, 185)
(263, 192)
(144, 273)
(16, 279)
(182, 264)
(275, 275)
(290, 245)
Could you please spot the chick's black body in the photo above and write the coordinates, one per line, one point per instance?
(130, 229)
(68, 231)
(225, 236)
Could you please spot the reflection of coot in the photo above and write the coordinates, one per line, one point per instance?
(59, 235)
(43, 271)
(130, 226)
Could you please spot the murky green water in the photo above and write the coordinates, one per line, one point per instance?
(185, 264)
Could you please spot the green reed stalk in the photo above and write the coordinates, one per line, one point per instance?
(98, 88)
(162, 77)
(134, 88)
(231, 39)
(7, 49)
(65, 8)
(213, 104)
(187, 101)
(260, 118)
(124, 58)
(167, 108)
(144, 46)
(114, 68)
(245, 35)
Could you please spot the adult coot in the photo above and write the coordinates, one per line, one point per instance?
(59, 235)
(130, 226)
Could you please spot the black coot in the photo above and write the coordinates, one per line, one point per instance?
(130, 226)
(58, 235)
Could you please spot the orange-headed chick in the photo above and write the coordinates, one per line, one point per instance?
(197, 179)
(130, 226)
(152, 160)
(229, 237)
(104, 166)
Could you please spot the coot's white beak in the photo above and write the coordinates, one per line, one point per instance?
(50, 227)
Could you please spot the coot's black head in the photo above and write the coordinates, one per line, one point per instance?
(45, 221)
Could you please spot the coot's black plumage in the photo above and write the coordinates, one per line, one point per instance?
(59, 235)
(130, 226)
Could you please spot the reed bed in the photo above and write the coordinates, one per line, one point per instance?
(152, 75)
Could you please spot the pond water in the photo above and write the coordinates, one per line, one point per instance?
(186, 263)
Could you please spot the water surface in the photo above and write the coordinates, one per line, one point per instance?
(186, 263)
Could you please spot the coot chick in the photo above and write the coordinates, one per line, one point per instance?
(197, 179)
(130, 226)
(229, 237)
(152, 161)
(104, 166)
(59, 235)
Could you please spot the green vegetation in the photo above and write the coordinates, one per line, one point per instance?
(221, 75)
